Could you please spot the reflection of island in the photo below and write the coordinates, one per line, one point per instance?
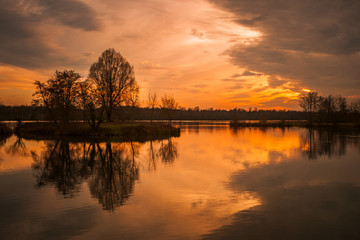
(110, 168)
(323, 142)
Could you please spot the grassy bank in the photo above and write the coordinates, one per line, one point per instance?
(107, 131)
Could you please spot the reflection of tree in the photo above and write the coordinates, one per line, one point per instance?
(115, 173)
(61, 164)
(2, 140)
(110, 168)
(152, 160)
(168, 151)
(18, 148)
(325, 142)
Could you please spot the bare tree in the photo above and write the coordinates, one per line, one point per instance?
(169, 104)
(152, 103)
(341, 104)
(92, 109)
(132, 99)
(83, 92)
(327, 108)
(58, 94)
(113, 78)
(309, 103)
(354, 106)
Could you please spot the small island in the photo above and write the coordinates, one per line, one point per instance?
(109, 131)
(110, 85)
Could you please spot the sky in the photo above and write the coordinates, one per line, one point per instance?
(207, 53)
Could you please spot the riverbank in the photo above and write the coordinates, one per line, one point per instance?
(300, 123)
(107, 131)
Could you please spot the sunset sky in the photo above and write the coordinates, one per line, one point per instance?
(206, 53)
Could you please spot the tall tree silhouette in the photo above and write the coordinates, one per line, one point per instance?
(113, 78)
(309, 104)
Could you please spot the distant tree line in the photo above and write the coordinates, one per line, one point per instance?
(329, 109)
(126, 113)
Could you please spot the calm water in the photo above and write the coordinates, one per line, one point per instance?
(210, 183)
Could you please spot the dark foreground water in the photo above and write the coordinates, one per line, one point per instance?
(210, 183)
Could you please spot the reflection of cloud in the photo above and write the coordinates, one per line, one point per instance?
(18, 209)
(300, 199)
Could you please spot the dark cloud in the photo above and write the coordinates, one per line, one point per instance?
(72, 13)
(316, 43)
(275, 81)
(233, 80)
(197, 33)
(200, 85)
(235, 86)
(276, 102)
(21, 42)
(246, 74)
(236, 75)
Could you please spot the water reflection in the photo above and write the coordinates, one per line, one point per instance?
(152, 157)
(327, 143)
(168, 151)
(18, 148)
(62, 164)
(115, 172)
(2, 140)
(302, 199)
(251, 183)
(111, 169)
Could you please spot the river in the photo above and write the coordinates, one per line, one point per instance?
(212, 182)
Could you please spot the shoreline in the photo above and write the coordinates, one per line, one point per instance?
(295, 123)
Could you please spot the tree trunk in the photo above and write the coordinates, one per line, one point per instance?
(108, 114)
